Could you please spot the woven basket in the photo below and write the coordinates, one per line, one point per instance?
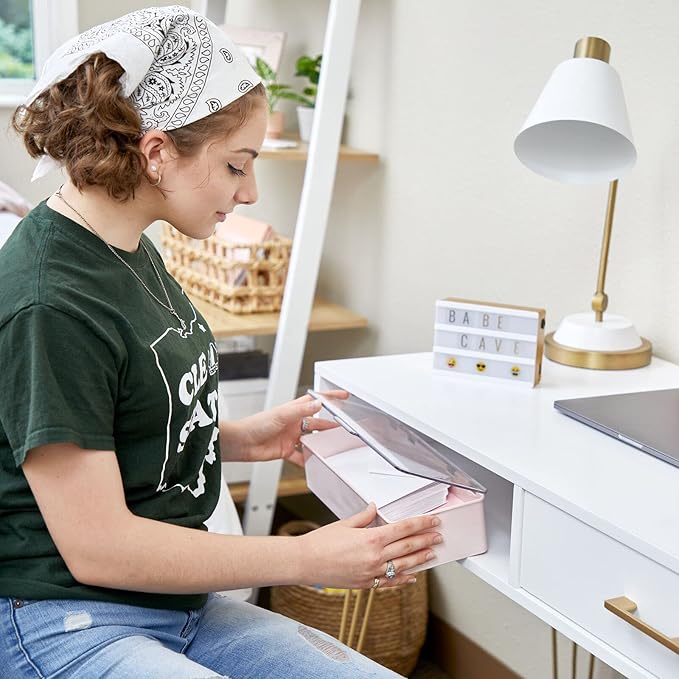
(239, 278)
(397, 626)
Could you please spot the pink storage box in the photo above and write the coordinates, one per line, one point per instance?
(462, 517)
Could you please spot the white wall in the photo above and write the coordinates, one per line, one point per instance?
(440, 89)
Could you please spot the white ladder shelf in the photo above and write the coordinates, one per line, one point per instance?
(310, 229)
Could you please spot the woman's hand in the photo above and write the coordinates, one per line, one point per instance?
(346, 554)
(274, 434)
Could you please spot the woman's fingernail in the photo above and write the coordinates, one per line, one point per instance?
(436, 521)
(430, 555)
(412, 581)
(438, 539)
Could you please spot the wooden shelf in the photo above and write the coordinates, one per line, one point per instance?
(292, 482)
(324, 316)
(301, 151)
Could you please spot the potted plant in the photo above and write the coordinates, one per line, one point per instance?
(275, 91)
(310, 68)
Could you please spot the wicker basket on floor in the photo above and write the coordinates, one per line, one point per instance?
(397, 626)
(239, 278)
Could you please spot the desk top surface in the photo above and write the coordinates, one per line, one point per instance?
(515, 432)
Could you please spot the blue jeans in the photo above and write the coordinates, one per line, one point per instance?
(60, 639)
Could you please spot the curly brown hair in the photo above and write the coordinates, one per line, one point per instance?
(86, 123)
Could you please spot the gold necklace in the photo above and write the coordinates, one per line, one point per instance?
(167, 306)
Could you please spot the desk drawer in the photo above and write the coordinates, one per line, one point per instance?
(574, 568)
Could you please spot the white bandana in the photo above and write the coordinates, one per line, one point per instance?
(179, 67)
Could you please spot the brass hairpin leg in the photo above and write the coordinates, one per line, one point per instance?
(345, 613)
(354, 617)
(574, 660)
(364, 624)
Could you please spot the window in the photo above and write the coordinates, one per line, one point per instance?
(30, 30)
(16, 40)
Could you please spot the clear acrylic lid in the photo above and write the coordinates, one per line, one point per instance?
(404, 448)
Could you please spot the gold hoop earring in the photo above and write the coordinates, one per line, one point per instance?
(157, 182)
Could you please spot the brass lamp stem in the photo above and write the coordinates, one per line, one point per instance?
(592, 48)
(600, 298)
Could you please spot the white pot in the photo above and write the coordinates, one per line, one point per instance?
(305, 119)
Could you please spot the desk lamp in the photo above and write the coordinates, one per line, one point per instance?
(578, 133)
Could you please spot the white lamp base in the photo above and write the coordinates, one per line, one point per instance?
(611, 344)
(614, 333)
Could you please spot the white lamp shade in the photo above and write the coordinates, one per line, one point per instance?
(578, 131)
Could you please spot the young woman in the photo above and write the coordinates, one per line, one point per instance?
(110, 441)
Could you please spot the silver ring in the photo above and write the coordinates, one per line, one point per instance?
(391, 570)
(376, 583)
(305, 425)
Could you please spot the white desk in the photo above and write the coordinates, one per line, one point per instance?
(574, 517)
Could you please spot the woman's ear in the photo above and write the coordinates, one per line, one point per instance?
(156, 147)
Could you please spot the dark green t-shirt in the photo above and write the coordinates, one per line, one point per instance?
(88, 356)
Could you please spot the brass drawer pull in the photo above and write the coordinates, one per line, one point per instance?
(624, 607)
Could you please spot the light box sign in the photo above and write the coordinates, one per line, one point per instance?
(489, 340)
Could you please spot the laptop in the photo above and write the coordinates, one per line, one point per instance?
(647, 420)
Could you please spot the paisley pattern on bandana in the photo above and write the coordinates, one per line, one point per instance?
(182, 53)
(144, 24)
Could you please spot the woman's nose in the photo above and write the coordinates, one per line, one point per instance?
(247, 191)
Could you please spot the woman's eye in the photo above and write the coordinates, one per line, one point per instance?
(236, 171)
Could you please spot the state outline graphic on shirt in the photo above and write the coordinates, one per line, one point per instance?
(201, 414)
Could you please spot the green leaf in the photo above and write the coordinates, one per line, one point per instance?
(264, 71)
(295, 96)
(278, 88)
(317, 70)
(308, 67)
(304, 65)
